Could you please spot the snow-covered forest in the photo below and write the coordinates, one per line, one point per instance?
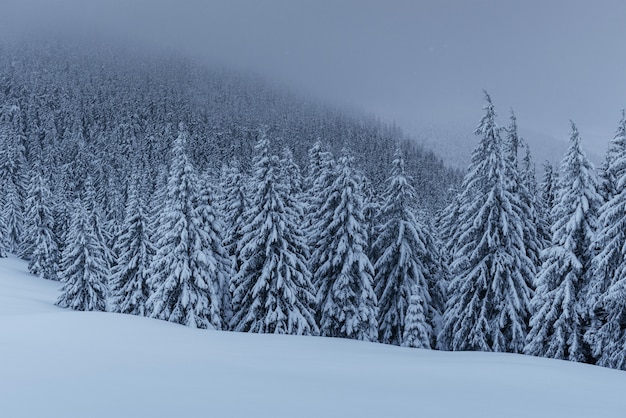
(155, 187)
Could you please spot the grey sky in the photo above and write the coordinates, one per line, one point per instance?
(417, 62)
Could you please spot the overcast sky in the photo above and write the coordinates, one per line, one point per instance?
(416, 62)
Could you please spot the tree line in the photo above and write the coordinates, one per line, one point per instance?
(170, 227)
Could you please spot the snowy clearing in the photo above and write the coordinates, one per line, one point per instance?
(59, 363)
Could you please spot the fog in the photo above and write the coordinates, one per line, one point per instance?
(414, 62)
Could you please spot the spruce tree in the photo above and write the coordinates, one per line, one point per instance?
(272, 289)
(401, 264)
(488, 305)
(98, 219)
(234, 206)
(347, 304)
(605, 294)
(548, 189)
(210, 222)
(84, 271)
(184, 285)
(416, 331)
(608, 177)
(539, 213)
(519, 184)
(291, 174)
(558, 321)
(43, 250)
(321, 174)
(13, 167)
(134, 250)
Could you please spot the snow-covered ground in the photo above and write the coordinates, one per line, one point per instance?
(59, 363)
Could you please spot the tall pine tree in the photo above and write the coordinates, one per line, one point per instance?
(272, 289)
(134, 251)
(84, 271)
(185, 288)
(558, 321)
(13, 167)
(347, 304)
(488, 305)
(210, 222)
(402, 261)
(234, 206)
(606, 293)
(43, 250)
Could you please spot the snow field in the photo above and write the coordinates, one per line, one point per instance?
(61, 363)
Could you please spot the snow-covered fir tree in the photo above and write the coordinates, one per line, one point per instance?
(488, 306)
(446, 224)
(134, 251)
(272, 289)
(13, 166)
(291, 173)
(235, 203)
(98, 219)
(185, 288)
(212, 241)
(607, 176)
(12, 208)
(84, 271)
(558, 319)
(606, 292)
(347, 304)
(402, 256)
(42, 243)
(416, 332)
(548, 189)
(522, 199)
(321, 175)
(538, 210)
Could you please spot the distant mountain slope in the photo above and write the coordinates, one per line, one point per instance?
(125, 107)
(61, 363)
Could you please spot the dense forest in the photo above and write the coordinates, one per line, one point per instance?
(158, 187)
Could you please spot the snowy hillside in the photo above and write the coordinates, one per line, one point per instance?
(61, 363)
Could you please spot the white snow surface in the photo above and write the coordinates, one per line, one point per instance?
(60, 363)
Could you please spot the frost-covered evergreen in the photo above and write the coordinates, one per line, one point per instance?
(606, 293)
(416, 331)
(291, 174)
(43, 250)
(447, 223)
(234, 206)
(13, 166)
(134, 251)
(318, 181)
(539, 213)
(548, 190)
(185, 288)
(557, 324)
(608, 176)
(402, 261)
(347, 304)
(522, 199)
(84, 271)
(272, 290)
(98, 219)
(489, 296)
(210, 222)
